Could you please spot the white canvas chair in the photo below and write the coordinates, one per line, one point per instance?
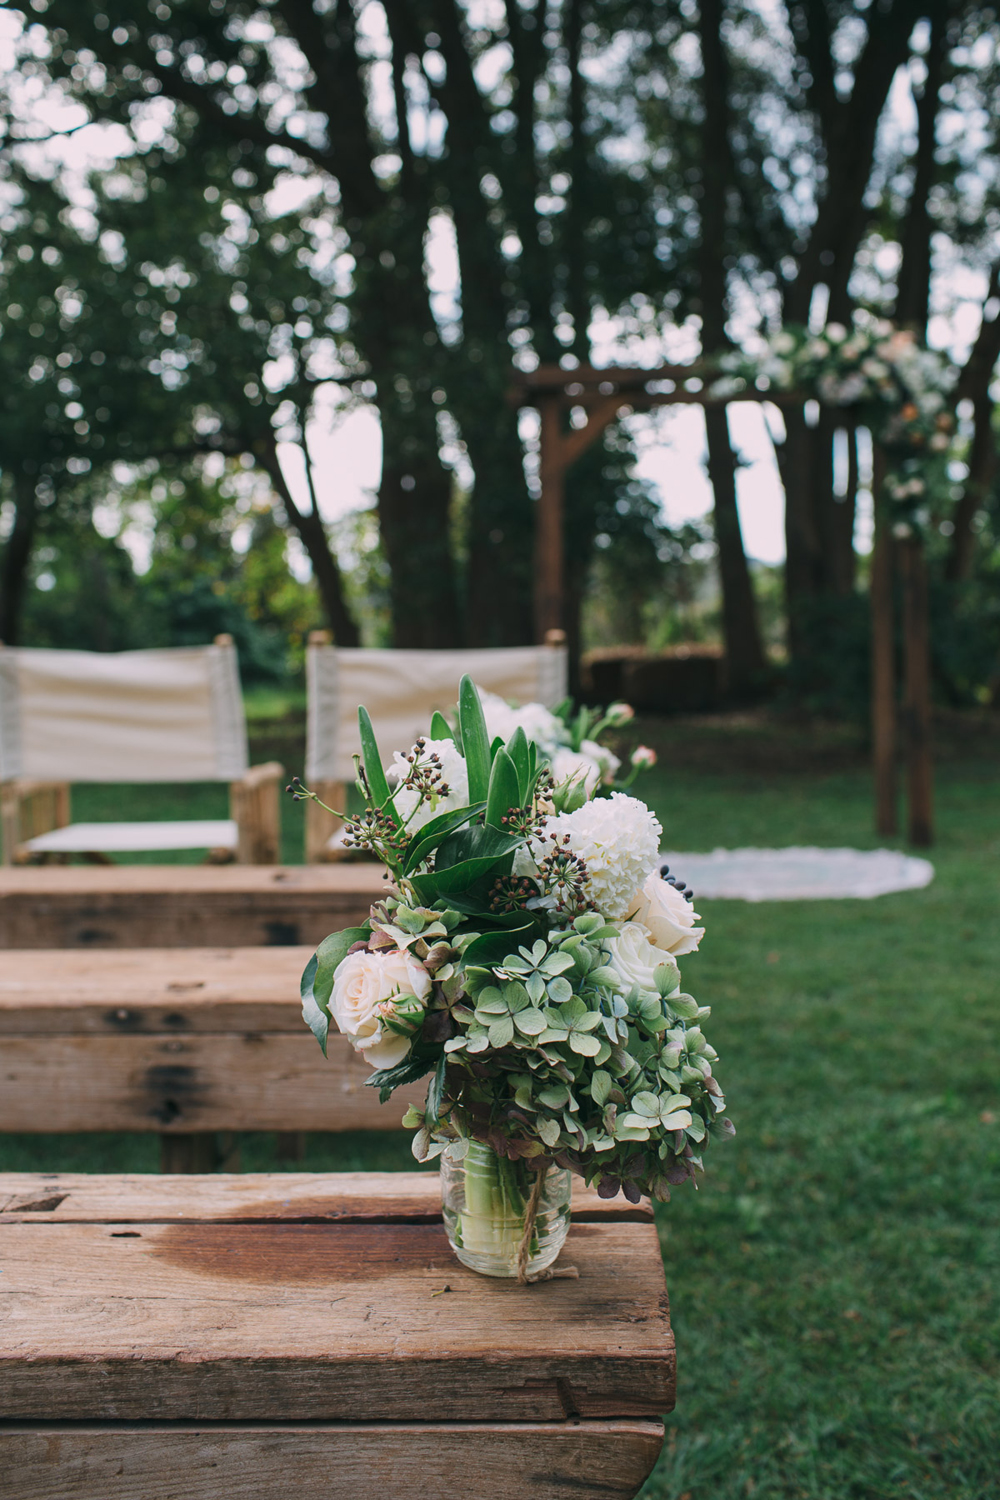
(132, 716)
(401, 689)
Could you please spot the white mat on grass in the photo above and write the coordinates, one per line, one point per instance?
(798, 874)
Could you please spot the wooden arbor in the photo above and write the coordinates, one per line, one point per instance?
(602, 395)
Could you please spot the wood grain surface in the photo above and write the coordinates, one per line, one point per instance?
(174, 1040)
(182, 906)
(435, 1461)
(250, 1197)
(255, 1081)
(203, 1319)
(150, 990)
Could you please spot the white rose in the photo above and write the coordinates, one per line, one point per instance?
(662, 909)
(635, 958)
(366, 989)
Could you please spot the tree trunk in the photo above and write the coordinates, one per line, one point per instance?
(796, 456)
(745, 665)
(974, 385)
(414, 507)
(312, 533)
(914, 281)
(741, 632)
(398, 338)
(15, 559)
(978, 486)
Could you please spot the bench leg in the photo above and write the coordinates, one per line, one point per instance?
(200, 1151)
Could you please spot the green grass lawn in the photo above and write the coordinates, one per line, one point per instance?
(835, 1281)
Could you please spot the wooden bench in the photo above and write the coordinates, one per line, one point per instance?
(181, 906)
(185, 1042)
(273, 1335)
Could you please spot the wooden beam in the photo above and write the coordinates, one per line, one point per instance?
(601, 414)
(883, 664)
(917, 692)
(329, 1461)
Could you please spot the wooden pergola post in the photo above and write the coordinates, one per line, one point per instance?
(884, 736)
(917, 691)
(550, 551)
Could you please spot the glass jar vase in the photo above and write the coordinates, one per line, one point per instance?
(485, 1200)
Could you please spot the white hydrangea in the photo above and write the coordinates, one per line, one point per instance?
(453, 774)
(618, 838)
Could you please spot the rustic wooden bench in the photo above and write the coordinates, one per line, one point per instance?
(185, 1042)
(181, 906)
(275, 1335)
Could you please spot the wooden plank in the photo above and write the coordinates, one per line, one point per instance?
(181, 906)
(255, 1197)
(199, 1082)
(173, 991)
(512, 1461)
(234, 1322)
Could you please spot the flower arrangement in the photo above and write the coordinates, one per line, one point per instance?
(525, 957)
(896, 386)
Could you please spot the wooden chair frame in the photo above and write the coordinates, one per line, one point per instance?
(30, 808)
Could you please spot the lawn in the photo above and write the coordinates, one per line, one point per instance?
(834, 1282)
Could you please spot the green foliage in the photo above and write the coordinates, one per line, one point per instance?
(475, 742)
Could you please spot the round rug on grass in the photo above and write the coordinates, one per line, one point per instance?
(798, 874)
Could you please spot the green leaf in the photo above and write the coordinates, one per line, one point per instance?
(474, 740)
(517, 749)
(435, 832)
(494, 947)
(530, 1021)
(549, 1131)
(501, 1032)
(329, 956)
(559, 989)
(584, 1045)
(475, 843)
(457, 878)
(317, 1019)
(600, 1087)
(373, 763)
(408, 1071)
(435, 1093)
(440, 728)
(503, 792)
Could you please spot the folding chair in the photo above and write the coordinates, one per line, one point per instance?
(401, 689)
(174, 715)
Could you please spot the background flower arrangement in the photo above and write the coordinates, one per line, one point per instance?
(526, 959)
(896, 386)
